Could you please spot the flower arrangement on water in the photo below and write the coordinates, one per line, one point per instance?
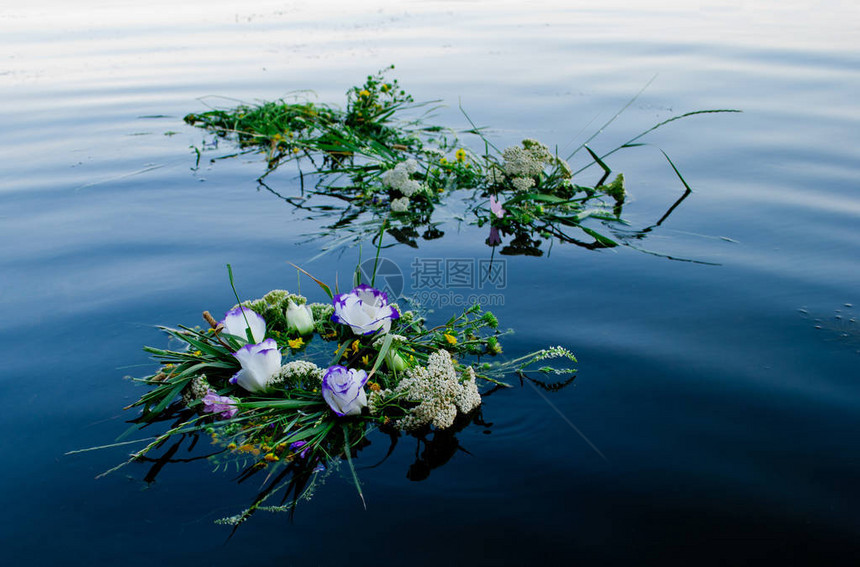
(363, 362)
(380, 158)
(531, 193)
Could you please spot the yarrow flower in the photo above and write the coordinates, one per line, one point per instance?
(522, 183)
(343, 390)
(525, 164)
(400, 205)
(297, 370)
(259, 363)
(521, 163)
(399, 179)
(365, 310)
(238, 321)
(495, 175)
(438, 391)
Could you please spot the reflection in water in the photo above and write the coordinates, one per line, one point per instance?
(297, 476)
(297, 479)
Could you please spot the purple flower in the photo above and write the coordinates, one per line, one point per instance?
(224, 406)
(343, 390)
(259, 363)
(296, 445)
(496, 207)
(237, 322)
(494, 239)
(365, 310)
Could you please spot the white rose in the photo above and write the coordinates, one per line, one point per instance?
(299, 318)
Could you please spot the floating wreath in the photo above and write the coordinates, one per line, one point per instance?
(255, 380)
(382, 158)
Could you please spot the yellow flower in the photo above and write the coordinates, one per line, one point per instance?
(451, 339)
(364, 92)
(296, 343)
(295, 150)
(365, 360)
(355, 345)
(277, 138)
(197, 353)
(374, 387)
(271, 457)
(232, 446)
(443, 161)
(460, 155)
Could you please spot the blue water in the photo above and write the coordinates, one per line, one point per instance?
(724, 399)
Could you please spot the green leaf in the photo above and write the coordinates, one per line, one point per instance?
(599, 237)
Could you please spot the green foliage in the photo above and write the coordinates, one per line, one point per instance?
(353, 153)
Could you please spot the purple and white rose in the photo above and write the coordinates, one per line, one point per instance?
(239, 320)
(260, 362)
(343, 390)
(365, 310)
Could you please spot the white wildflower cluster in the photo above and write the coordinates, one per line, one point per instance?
(322, 313)
(395, 338)
(196, 389)
(376, 399)
(554, 352)
(400, 205)
(524, 164)
(298, 372)
(523, 183)
(400, 180)
(439, 393)
(550, 353)
(538, 151)
(281, 297)
(520, 162)
(495, 175)
(468, 398)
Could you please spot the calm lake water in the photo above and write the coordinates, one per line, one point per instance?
(725, 398)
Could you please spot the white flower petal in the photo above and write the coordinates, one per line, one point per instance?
(238, 320)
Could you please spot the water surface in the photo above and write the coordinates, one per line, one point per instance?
(729, 422)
